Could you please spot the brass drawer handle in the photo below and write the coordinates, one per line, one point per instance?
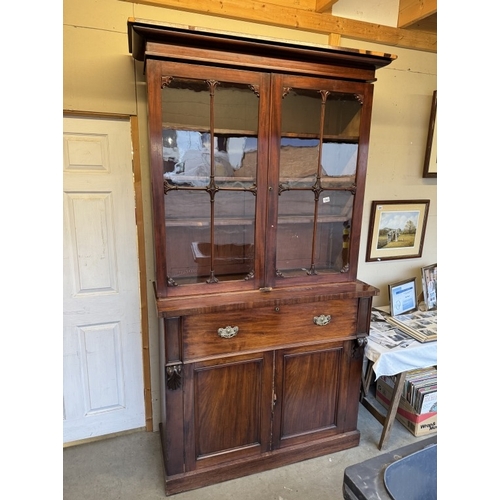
(229, 332)
(322, 320)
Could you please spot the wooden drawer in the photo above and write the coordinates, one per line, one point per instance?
(267, 328)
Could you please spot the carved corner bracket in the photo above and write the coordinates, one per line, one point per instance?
(358, 347)
(173, 378)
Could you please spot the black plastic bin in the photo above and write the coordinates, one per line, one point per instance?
(408, 473)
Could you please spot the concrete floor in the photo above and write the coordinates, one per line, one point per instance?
(129, 467)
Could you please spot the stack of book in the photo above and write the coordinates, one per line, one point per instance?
(421, 325)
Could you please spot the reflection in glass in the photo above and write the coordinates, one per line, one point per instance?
(297, 231)
(318, 159)
(187, 158)
(234, 234)
(187, 217)
(298, 160)
(339, 159)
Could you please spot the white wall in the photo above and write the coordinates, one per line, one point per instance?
(384, 12)
(400, 118)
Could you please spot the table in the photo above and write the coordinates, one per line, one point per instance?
(389, 352)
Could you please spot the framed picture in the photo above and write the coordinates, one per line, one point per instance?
(429, 286)
(403, 297)
(397, 229)
(430, 159)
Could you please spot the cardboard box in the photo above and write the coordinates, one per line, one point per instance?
(418, 425)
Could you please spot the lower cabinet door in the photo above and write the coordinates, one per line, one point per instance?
(310, 391)
(240, 407)
(228, 409)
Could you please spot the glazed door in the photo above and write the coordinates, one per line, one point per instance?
(318, 161)
(208, 130)
(103, 377)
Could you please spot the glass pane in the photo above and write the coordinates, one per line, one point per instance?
(301, 112)
(298, 161)
(338, 160)
(339, 151)
(210, 165)
(295, 232)
(186, 132)
(241, 153)
(236, 117)
(189, 248)
(234, 235)
(333, 231)
(187, 218)
(342, 116)
(318, 160)
(304, 127)
(301, 126)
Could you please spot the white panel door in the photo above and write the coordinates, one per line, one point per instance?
(103, 379)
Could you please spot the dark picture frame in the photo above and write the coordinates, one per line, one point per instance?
(403, 297)
(430, 159)
(397, 229)
(429, 286)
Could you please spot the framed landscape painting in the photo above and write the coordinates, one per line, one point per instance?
(397, 229)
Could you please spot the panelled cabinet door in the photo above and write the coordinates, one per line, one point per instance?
(243, 406)
(310, 393)
(228, 406)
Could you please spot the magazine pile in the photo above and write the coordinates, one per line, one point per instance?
(421, 325)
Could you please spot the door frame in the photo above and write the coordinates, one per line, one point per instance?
(141, 244)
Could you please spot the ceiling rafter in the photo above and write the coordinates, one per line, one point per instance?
(311, 5)
(324, 5)
(304, 19)
(412, 11)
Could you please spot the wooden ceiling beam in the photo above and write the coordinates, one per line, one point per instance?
(324, 5)
(289, 17)
(412, 11)
(312, 5)
(297, 4)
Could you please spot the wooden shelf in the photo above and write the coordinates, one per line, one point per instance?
(253, 133)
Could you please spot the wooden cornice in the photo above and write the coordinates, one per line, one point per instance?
(302, 19)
